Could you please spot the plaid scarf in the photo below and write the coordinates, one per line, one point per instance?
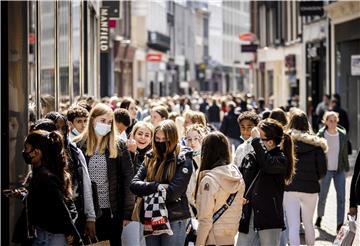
(156, 220)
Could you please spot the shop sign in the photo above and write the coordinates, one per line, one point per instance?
(153, 57)
(311, 8)
(251, 48)
(104, 29)
(355, 65)
(113, 8)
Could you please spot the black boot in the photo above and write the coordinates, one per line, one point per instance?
(318, 222)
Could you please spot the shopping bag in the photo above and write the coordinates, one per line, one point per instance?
(191, 232)
(346, 234)
(138, 209)
(99, 243)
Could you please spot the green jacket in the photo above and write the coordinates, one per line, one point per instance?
(343, 153)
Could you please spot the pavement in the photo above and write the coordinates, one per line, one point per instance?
(326, 235)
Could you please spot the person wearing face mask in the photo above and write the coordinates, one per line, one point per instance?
(81, 183)
(77, 117)
(169, 167)
(110, 168)
(49, 214)
(193, 137)
(266, 170)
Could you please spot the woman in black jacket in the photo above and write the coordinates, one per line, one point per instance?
(167, 167)
(110, 168)
(355, 188)
(266, 170)
(49, 199)
(302, 193)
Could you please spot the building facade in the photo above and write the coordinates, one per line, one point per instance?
(49, 50)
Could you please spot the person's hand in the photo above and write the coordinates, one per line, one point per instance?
(126, 222)
(255, 133)
(131, 144)
(69, 239)
(244, 201)
(353, 211)
(162, 187)
(15, 193)
(89, 229)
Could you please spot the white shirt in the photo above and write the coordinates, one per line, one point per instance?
(333, 141)
(241, 151)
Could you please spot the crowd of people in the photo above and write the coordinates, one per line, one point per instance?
(180, 171)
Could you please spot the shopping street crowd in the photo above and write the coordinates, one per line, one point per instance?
(182, 171)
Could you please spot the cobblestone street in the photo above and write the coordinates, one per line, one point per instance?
(327, 233)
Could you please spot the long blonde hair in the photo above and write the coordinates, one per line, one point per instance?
(155, 164)
(88, 136)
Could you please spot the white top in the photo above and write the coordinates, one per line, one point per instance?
(333, 141)
(241, 151)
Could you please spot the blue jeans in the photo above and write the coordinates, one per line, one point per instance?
(339, 181)
(45, 238)
(270, 236)
(177, 239)
(250, 239)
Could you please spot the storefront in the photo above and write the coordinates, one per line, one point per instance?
(345, 53)
(51, 51)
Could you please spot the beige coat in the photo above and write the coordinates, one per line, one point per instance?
(214, 189)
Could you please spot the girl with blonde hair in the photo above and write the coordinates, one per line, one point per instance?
(110, 168)
(167, 167)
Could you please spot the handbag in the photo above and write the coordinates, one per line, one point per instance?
(138, 208)
(99, 243)
(346, 234)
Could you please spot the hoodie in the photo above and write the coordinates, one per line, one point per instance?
(311, 162)
(215, 188)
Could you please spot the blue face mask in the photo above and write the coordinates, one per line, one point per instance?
(75, 132)
(102, 129)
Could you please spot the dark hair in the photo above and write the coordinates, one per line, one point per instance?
(299, 121)
(215, 151)
(53, 156)
(121, 115)
(126, 103)
(55, 116)
(274, 131)
(266, 114)
(162, 111)
(279, 115)
(249, 115)
(43, 124)
(76, 111)
(84, 104)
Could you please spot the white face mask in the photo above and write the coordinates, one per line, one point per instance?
(75, 132)
(102, 129)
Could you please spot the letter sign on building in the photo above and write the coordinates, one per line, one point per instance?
(104, 29)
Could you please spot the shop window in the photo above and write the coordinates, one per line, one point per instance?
(47, 56)
(76, 45)
(63, 53)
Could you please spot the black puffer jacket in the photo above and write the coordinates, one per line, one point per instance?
(268, 192)
(355, 184)
(120, 172)
(311, 164)
(176, 200)
(138, 157)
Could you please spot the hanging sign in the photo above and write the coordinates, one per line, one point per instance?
(104, 29)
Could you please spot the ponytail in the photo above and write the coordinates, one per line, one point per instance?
(287, 147)
(57, 163)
